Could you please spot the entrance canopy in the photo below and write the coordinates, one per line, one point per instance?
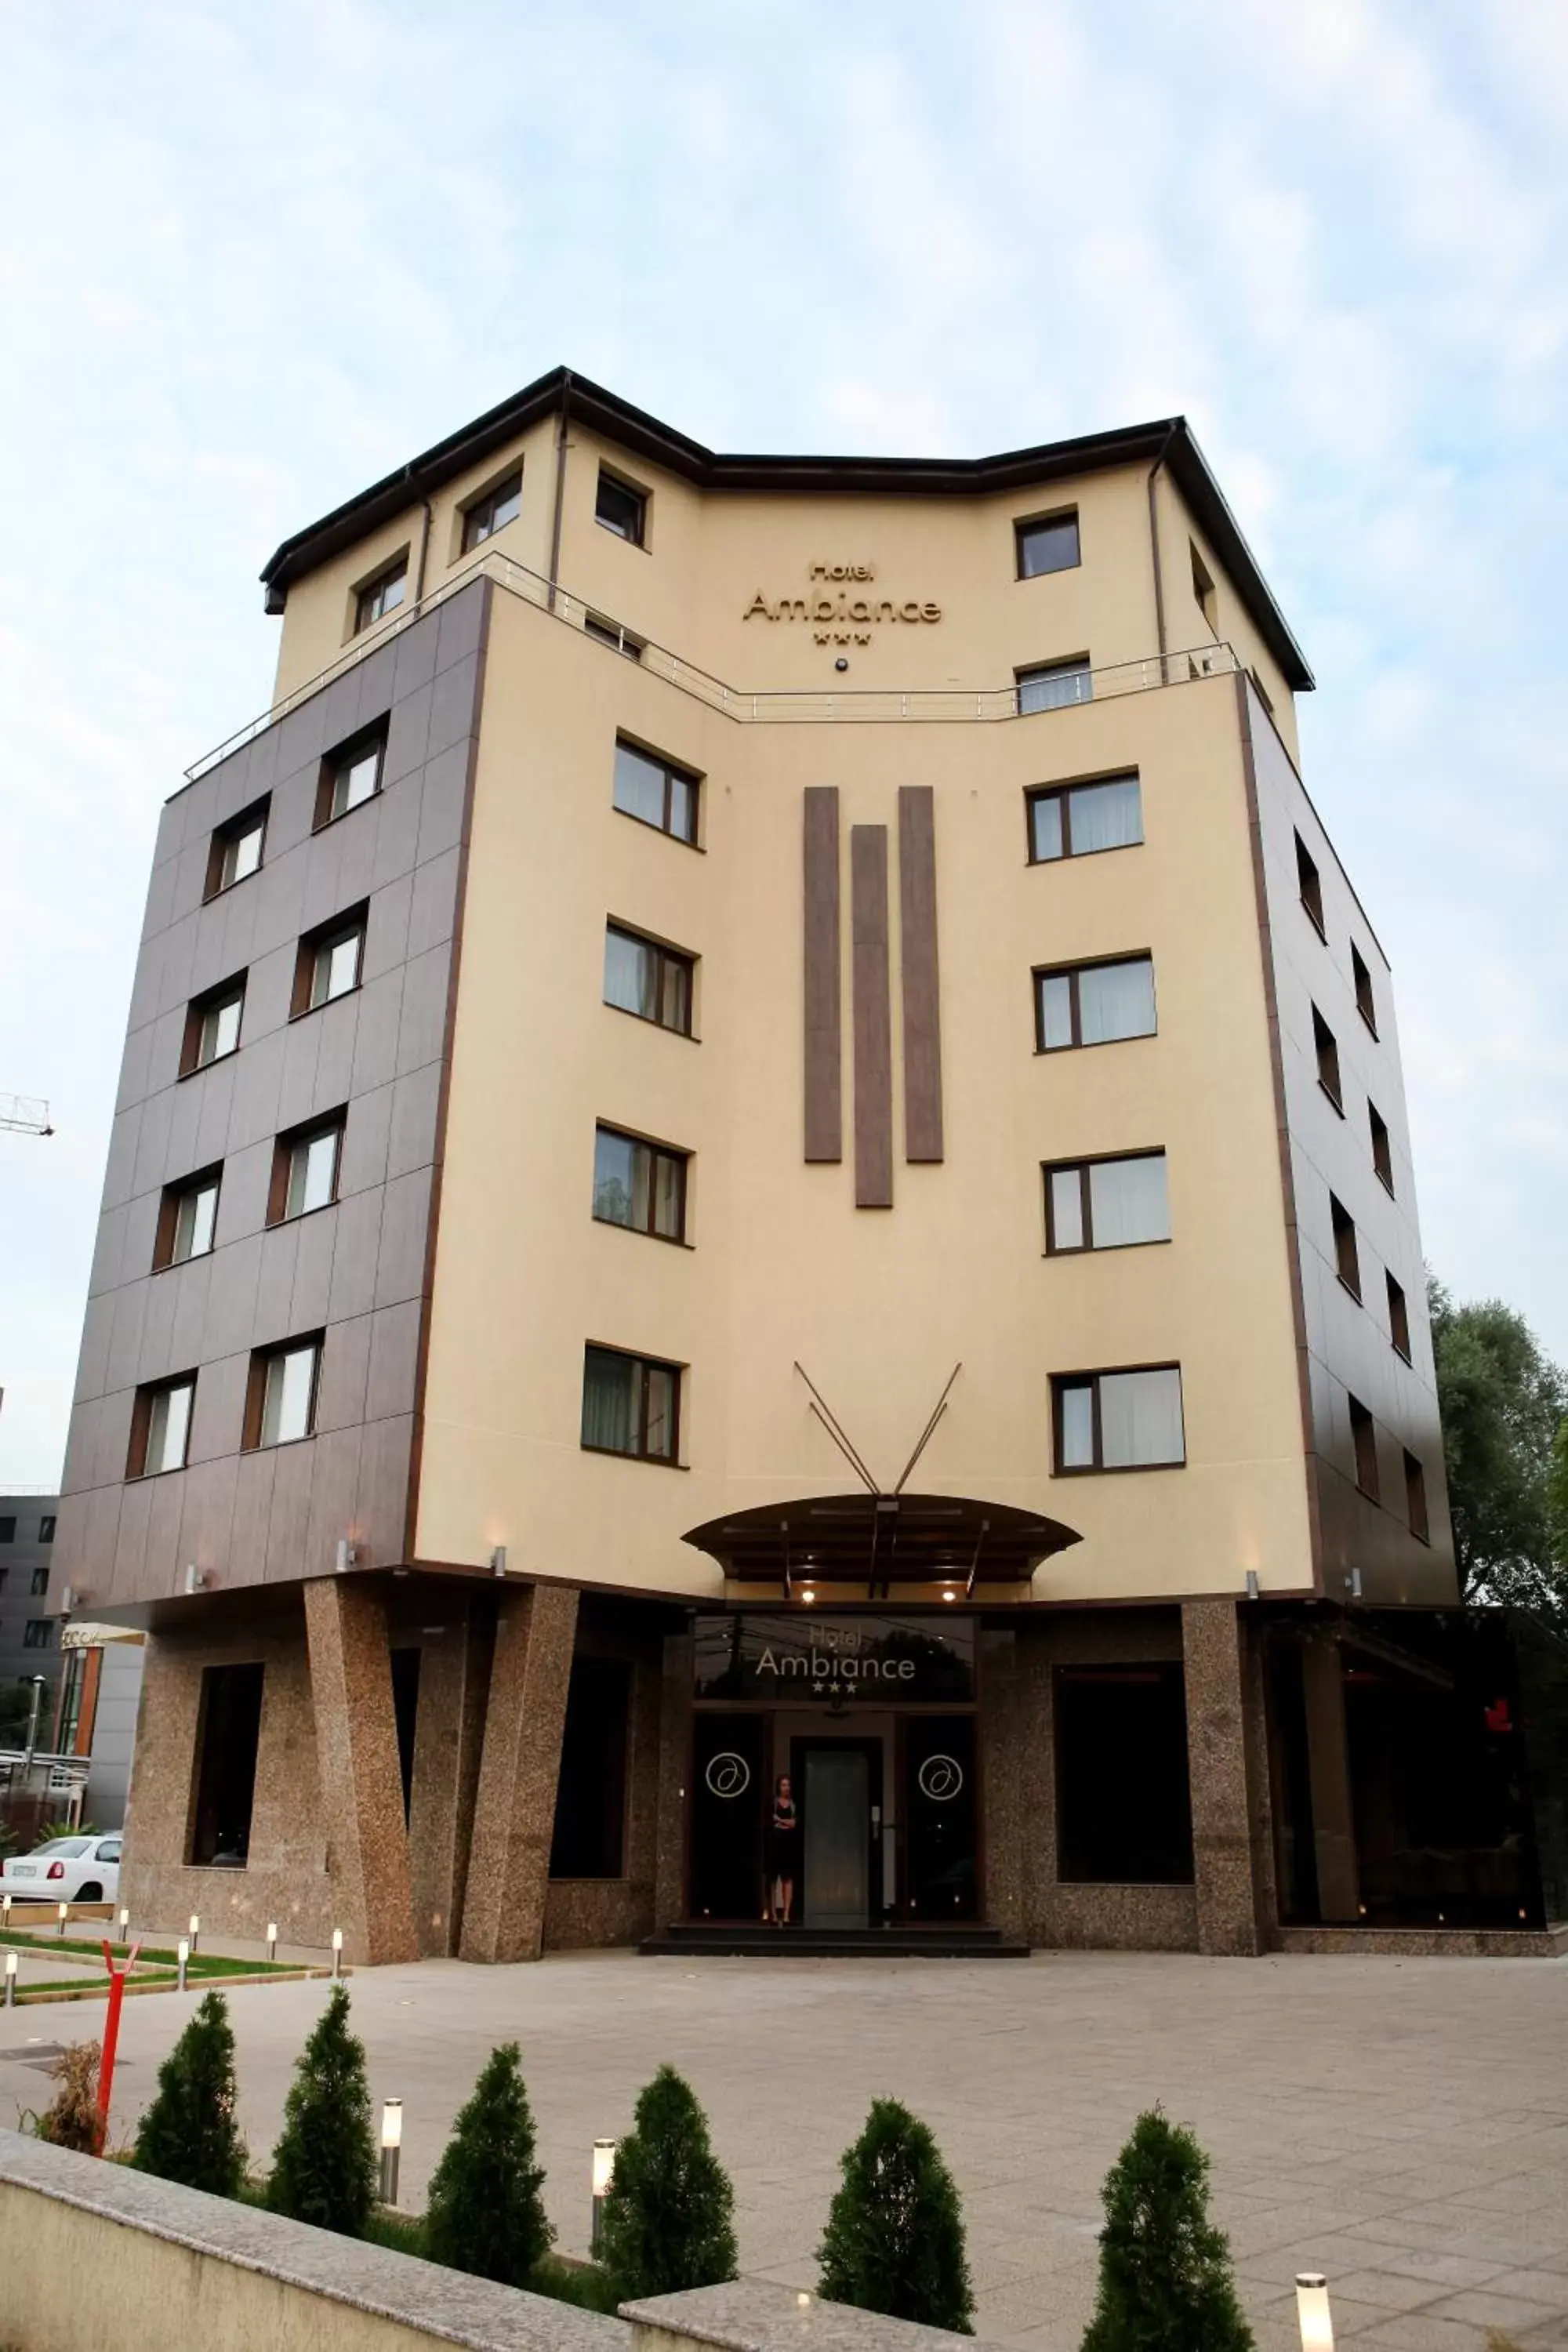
(881, 1542)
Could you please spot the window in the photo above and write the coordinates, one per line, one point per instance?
(1107, 1204)
(161, 1427)
(212, 1026)
(630, 1405)
(1051, 686)
(1381, 1152)
(1123, 1798)
(1264, 696)
(653, 982)
(186, 1220)
(349, 775)
(1203, 591)
(8, 1529)
(621, 509)
(1328, 1053)
(611, 634)
(1118, 1421)
(493, 511)
(305, 1168)
(1398, 1315)
(590, 1793)
(40, 1582)
(38, 1630)
(1346, 1262)
(639, 1185)
(1048, 544)
(381, 595)
(1075, 820)
(228, 1733)
(655, 792)
(1363, 1440)
(328, 962)
(237, 849)
(1366, 1002)
(1415, 1499)
(1094, 1003)
(4, 1572)
(47, 1527)
(1311, 884)
(281, 1403)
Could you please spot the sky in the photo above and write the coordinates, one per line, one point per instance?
(253, 257)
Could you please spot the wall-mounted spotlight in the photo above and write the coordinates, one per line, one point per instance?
(348, 1554)
(1352, 1584)
(497, 1560)
(68, 1599)
(1253, 1587)
(195, 1579)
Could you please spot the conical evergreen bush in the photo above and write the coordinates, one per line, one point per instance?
(190, 2132)
(324, 2166)
(666, 2222)
(484, 2213)
(894, 2240)
(1166, 2281)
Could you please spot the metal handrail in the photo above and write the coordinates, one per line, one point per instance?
(767, 706)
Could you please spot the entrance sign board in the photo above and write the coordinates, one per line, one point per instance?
(794, 1661)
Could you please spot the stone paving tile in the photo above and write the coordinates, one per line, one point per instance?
(1492, 2307)
(1447, 2272)
(1419, 2331)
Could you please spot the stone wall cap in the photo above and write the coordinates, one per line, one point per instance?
(760, 2315)
(421, 2295)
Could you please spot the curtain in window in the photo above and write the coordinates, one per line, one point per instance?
(1055, 1009)
(1116, 1000)
(1067, 1209)
(607, 1394)
(666, 1203)
(613, 1159)
(1045, 819)
(1075, 1405)
(1127, 1201)
(628, 974)
(1054, 688)
(639, 785)
(1140, 1419)
(1107, 816)
(661, 1438)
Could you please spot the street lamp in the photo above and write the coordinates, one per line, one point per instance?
(1312, 2311)
(271, 1939)
(182, 1954)
(603, 2173)
(40, 1685)
(195, 1930)
(337, 1951)
(10, 1979)
(391, 2148)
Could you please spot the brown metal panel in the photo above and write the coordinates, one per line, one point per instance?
(922, 988)
(824, 992)
(873, 1016)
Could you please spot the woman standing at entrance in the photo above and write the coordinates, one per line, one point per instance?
(784, 1837)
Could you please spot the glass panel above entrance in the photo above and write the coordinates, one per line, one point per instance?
(888, 1660)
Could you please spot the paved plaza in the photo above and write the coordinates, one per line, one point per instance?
(1402, 2125)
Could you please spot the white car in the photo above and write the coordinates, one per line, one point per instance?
(66, 1870)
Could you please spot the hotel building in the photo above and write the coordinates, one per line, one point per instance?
(761, 1136)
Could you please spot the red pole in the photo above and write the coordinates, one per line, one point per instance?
(110, 2036)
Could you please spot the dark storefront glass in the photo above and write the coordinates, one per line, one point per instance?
(729, 1786)
(1124, 1806)
(940, 1819)
(591, 1794)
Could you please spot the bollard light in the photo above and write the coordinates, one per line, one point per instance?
(1312, 2311)
(10, 1979)
(182, 1954)
(195, 1931)
(124, 1925)
(603, 2173)
(272, 1939)
(337, 1951)
(63, 1908)
(6, 1910)
(391, 2148)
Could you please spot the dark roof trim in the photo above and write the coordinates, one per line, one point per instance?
(644, 437)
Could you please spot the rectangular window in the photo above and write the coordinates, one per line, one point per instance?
(1415, 1499)
(1046, 543)
(1328, 1053)
(40, 1583)
(305, 1165)
(589, 1840)
(349, 775)
(186, 1220)
(46, 1528)
(161, 1427)
(1311, 884)
(1398, 1315)
(621, 509)
(1094, 1003)
(1123, 1798)
(237, 849)
(1076, 820)
(1347, 1264)
(381, 595)
(630, 1405)
(655, 792)
(653, 982)
(1107, 1204)
(1118, 1421)
(38, 1630)
(493, 511)
(212, 1026)
(329, 962)
(1363, 1440)
(4, 1572)
(280, 1407)
(1052, 685)
(8, 1529)
(1366, 1002)
(228, 1734)
(1264, 696)
(639, 1185)
(1203, 591)
(611, 634)
(1382, 1152)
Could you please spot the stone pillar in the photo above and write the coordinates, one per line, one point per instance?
(356, 1755)
(1002, 1782)
(1217, 1770)
(454, 1670)
(514, 1815)
(1034, 1701)
(674, 1758)
(1328, 1771)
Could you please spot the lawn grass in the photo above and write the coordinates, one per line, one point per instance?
(200, 1964)
(563, 2280)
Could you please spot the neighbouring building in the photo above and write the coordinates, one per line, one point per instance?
(29, 1637)
(761, 1135)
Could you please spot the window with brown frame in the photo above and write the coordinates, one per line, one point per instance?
(1328, 1053)
(350, 775)
(644, 977)
(1053, 685)
(1117, 1421)
(280, 1398)
(1079, 820)
(329, 962)
(1111, 1203)
(38, 1633)
(1364, 1439)
(1398, 1315)
(638, 1184)
(611, 634)
(228, 1735)
(1366, 1002)
(655, 792)
(1415, 1499)
(47, 1527)
(161, 1426)
(621, 508)
(381, 595)
(492, 512)
(1346, 1261)
(1046, 543)
(305, 1164)
(212, 1025)
(1204, 591)
(187, 1217)
(1094, 1003)
(1381, 1152)
(40, 1582)
(237, 847)
(1310, 885)
(631, 1404)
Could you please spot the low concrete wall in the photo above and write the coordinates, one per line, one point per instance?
(756, 2316)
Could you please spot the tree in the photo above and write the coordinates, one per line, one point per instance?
(484, 2213)
(666, 2222)
(1166, 2281)
(190, 2133)
(323, 2167)
(894, 2240)
(1503, 1403)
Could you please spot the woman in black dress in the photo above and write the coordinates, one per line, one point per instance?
(783, 1839)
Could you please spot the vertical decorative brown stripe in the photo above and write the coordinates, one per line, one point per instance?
(922, 1019)
(873, 1017)
(823, 986)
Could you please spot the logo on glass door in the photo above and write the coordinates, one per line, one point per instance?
(728, 1775)
(941, 1778)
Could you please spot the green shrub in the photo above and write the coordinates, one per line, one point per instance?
(324, 2166)
(190, 2133)
(1166, 2281)
(484, 2213)
(894, 2240)
(667, 2221)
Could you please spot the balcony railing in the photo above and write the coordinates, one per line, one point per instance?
(960, 705)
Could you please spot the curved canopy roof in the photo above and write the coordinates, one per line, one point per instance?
(882, 1541)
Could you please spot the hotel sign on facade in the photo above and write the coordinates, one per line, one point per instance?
(791, 1661)
(840, 608)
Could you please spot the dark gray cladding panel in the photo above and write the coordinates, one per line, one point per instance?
(823, 987)
(872, 1001)
(922, 991)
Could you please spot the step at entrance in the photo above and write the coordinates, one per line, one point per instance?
(693, 1938)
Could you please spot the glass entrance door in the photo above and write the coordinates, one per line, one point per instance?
(838, 1835)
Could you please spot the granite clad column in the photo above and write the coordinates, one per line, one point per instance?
(1217, 1768)
(362, 1786)
(514, 1818)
